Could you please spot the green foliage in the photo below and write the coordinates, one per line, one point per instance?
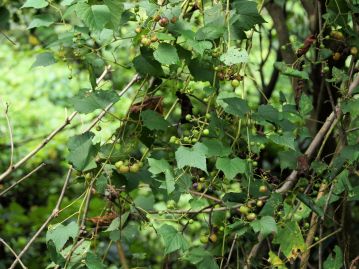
(206, 150)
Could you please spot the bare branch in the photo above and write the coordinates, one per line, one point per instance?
(13, 252)
(53, 215)
(10, 134)
(48, 138)
(22, 179)
(292, 178)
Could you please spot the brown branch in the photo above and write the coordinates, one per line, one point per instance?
(13, 252)
(121, 254)
(53, 215)
(49, 137)
(292, 178)
(279, 22)
(10, 134)
(22, 179)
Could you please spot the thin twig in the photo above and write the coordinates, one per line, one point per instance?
(10, 134)
(53, 215)
(13, 252)
(22, 179)
(8, 38)
(292, 178)
(50, 136)
(231, 250)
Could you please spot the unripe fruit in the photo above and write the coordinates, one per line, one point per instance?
(134, 168)
(205, 132)
(138, 30)
(203, 239)
(213, 238)
(163, 21)
(336, 56)
(188, 117)
(202, 179)
(244, 210)
(118, 164)
(306, 225)
(190, 221)
(145, 41)
(197, 186)
(235, 83)
(88, 176)
(171, 204)
(263, 189)
(154, 39)
(173, 139)
(255, 163)
(259, 203)
(325, 69)
(194, 140)
(251, 216)
(98, 128)
(157, 18)
(140, 164)
(353, 51)
(123, 169)
(337, 35)
(208, 116)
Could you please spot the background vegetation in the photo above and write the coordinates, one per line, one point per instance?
(179, 134)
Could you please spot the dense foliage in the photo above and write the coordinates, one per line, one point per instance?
(179, 134)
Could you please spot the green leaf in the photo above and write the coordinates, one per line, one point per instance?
(94, 16)
(290, 239)
(274, 201)
(305, 105)
(172, 239)
(118, 222)
(166, 54)
(231, 167)
(87, 101)
(276, 261)
(4, 18)
(351, 106)
(82, 151)
(145, 64)
(92, 261)
(202, 258)
(335, 262)
(288, 71)
(201, 70)
(234, 56)
(308, 202)
(288, 159)
(210, 31)
(44, 59)
(164, 36)
(268, 113)
(247, 15)
(193, 157)
(265, 225)
(158, 166)
(41, 20)
(199, 46)
(101, 184)
(169, 181)
(116, 9)
(236, 106)
(153, 120)
(59, 234)
(216, 148)
(35, 4)
(286, 140)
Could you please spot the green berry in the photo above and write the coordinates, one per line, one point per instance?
(205, 132)
(134, 168)
(251, 216)
(235, 83)
(244, 210)
(263, 188)
(188, 117)
(118, 164)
